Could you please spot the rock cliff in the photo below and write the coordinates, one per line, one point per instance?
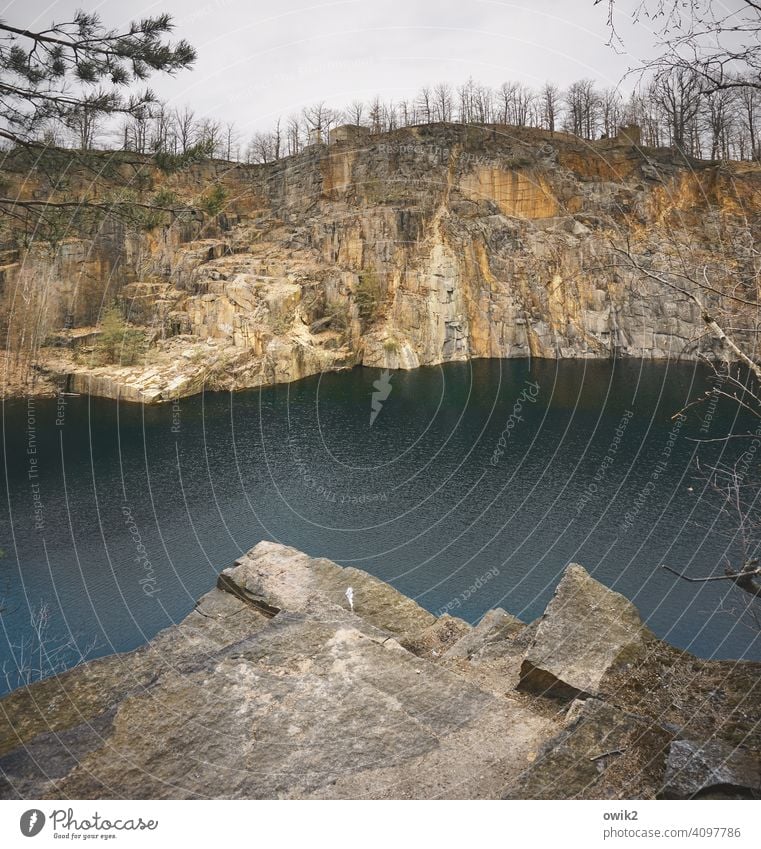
(278, 686)
(421, 246)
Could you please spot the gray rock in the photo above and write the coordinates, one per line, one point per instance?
(271, 688)
(586, 630)
(282, 578)
(495, 625)
(602, 752)
(715, 767)
(436, 640)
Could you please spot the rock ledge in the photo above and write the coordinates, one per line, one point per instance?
(276, 686)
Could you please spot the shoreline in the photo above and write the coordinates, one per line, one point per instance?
(104, 383)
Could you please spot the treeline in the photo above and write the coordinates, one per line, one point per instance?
(674, 110)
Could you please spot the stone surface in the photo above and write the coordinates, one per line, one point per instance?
(437, 639)
(603, 752)
(711, 768)
(283, 578)
(585, 632)
(495, 626)
(273, 687)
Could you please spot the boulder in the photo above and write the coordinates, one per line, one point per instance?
(277, 577)
(602, 752)
(586, 630)
(494, 626)
(713, 769)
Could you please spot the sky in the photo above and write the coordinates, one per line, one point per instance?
(260, 60)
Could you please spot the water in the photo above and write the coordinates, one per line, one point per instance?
(420, 498)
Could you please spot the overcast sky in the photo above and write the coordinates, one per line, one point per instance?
(258, 60)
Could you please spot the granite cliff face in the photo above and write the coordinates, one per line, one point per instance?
(275, 686)
(421, 246)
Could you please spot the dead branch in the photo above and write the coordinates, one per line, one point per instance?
(708, 319)
(744, 580)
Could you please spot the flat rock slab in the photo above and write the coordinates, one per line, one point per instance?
(586, 630)
(281, 578)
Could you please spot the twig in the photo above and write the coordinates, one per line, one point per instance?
(607, 754)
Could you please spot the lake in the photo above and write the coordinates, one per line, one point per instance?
(467, 486)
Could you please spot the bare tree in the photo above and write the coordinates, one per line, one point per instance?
(211, 135)
(231, 140)
(40, 655)
(376, 115)
(136, 132)
(319, 118)
(162, 125)
(582, 115)
(187, 130)
(643, 111)
(677, 95)
(748, 101)
(390, 116)
(355, 111)
(611, 109)
(739, 521)
(718, 116)
(277, 140)
(261, 148)
(442, 102)
(482, 104)
(705, 80)
(726, 298)
(524, 102)
(425, 104)
(407, 113)
(85, 123)
(550, 106)
(293, 135)
(716, 41)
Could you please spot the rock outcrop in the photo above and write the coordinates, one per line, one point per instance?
(585, 632)
(708, 768)
(602, 752)
(280, 685)
(426, 245)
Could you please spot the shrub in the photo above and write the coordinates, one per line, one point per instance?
(166, 198)
(368, 295)
(118, 341)
(213, 201)
(340, 320)
(171, 163)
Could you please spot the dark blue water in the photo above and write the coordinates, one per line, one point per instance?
(594, 469)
